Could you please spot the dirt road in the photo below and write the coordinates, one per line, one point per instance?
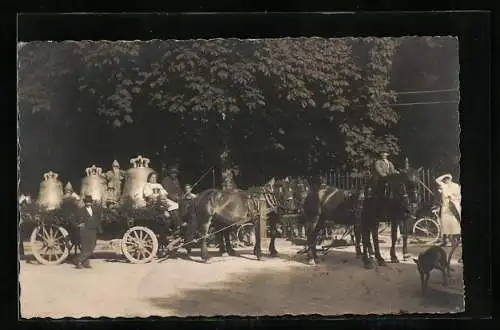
(237, 285)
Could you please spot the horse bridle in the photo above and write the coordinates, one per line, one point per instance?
(407, 198)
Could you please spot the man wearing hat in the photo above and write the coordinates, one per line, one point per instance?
(188, 192)
(383, 168)
(187, 201)
(450, 208)
(172, 184)
(89, 225)
(173, 187)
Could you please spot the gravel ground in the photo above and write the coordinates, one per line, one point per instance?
(238, 285)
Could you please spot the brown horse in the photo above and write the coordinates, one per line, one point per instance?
(226, 210)
(396, 204)
(324, 203)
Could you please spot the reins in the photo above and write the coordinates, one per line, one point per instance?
(199, 180)
(195, 240)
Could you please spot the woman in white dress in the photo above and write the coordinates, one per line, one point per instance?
(450, 209)
(155, 192)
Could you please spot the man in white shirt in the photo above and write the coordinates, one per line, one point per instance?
(383, 169)
(188, 192)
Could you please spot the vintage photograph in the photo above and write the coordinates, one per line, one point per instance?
(251, 177)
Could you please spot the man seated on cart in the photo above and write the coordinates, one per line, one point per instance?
(155, 193)
(188, 192)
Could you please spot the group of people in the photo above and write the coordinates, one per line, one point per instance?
(154, 192)
(450, 198)
(170, 194)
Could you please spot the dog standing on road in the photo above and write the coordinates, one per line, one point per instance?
(433, 258)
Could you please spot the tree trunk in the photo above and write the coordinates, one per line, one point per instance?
(227, 169)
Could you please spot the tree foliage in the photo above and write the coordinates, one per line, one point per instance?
(324, 100)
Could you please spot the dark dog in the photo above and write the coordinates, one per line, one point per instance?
(433, 258)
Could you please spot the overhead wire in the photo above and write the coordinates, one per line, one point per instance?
(421, 103)
(428, 91)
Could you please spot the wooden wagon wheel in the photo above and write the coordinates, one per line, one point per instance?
(139, 245)
(426, 229)
(49, 244)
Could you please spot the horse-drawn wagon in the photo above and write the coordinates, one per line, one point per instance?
(142, 227)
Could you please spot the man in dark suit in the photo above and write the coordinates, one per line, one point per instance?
(172, 185)
(89, 225)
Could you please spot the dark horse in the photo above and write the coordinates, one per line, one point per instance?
(225, 210)
(396, 203)
(329, 203)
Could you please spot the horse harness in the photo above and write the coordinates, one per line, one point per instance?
(254, 202)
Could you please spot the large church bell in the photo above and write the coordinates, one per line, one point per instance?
(51, 192)
(93, 184)
(135, 179)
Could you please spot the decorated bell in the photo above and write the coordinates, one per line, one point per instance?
(135, 179)
(51, 192)
(93, 184)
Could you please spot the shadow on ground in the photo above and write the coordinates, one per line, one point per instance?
(103, 255)
(339, 285)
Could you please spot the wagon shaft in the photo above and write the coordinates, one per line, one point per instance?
(172, 245)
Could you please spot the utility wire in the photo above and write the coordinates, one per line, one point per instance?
(429, 91)
(421, 103)
(409, 104)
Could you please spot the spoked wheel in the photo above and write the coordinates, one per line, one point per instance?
(139, 245)
(246, 234)
(49, 244)
(426, 229)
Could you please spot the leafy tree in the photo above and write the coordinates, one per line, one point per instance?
(326, 102)
(368, 126)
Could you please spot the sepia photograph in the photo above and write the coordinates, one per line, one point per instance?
(250, 177)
